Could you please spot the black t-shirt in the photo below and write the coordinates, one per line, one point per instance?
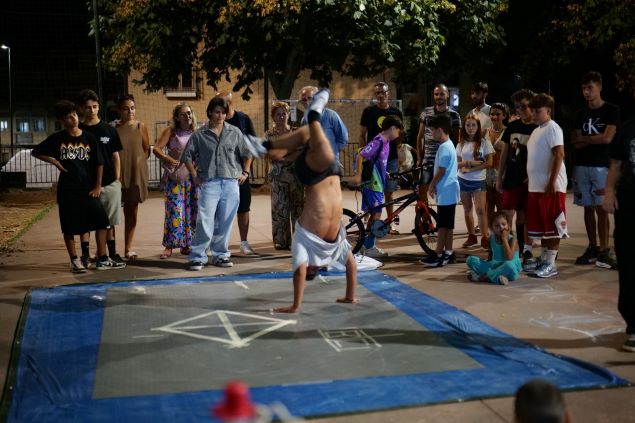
(78, 155)
(594, 122)
(243, 122)
(516, 136)
(623, 148)
(372, 118)
(109, 142)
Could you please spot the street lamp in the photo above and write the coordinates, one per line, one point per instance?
(8, 49)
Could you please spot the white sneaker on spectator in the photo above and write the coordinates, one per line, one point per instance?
(547, 270)
(246, 249)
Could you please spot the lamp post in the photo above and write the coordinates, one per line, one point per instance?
(8, 49)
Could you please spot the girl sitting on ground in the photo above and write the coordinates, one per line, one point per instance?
(503, 264)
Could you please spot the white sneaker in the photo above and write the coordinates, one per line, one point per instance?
(375, 252)
(77, 266)
(246, 250)
(547, 270)
(320, 100)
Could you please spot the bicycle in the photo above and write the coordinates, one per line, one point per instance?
(425, 228)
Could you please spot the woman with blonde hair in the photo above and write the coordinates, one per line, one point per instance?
(134, 166)
(180, 193)
(287, 192)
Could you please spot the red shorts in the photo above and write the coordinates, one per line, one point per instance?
(542, 212)
(514, 198)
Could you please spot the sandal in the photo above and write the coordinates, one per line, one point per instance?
(166, 254)
(131, 256)
(186, 250)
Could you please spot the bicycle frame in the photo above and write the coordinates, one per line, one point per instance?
(405, 199)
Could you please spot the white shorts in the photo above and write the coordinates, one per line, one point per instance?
(111, 200)
(308, 248)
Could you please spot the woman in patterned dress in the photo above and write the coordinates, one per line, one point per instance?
(180, 193)
(287, 192)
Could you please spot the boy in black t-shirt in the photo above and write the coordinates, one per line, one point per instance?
(76, 155)
(595, 127)
(110, 145)
(511, 179)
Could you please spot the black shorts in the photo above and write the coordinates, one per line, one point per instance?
(245, 197)
(425, 174)
(445, 216)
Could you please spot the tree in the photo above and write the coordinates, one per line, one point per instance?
(360, 38)
(604, 25)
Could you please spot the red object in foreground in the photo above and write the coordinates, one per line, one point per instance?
(236, 404)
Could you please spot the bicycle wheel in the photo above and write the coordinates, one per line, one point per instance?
(426, 229)
(355, 232)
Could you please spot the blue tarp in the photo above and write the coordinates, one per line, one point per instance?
(56, 354)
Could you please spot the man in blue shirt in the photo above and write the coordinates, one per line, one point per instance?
(332, 124)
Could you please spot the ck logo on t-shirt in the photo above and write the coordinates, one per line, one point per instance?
(72, 152)
(104, 140)
(593, 126)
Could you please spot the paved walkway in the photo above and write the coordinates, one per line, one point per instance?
(573, 314)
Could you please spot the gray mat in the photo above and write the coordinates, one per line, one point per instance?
(191, 337)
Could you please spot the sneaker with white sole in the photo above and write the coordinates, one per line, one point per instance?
(107, 264)
(629, 345)
(435, 261)
(77, 266)
(374, 252)
(320, 100)
(606, 261)
(532, 265)
(195, 265)
(546, 270)
(223, 262)
(245, 249)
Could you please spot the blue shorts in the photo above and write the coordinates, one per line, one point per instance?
(392, 185)
(371, 199)
(588, 185)
(472, 186)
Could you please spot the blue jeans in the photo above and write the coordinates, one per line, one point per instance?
(217, 205)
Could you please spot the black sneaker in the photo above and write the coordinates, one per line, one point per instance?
(629, 345)
(590, 255)
(195, 265)
(606, 261)
(435, 261)
(223, 262)
(117, 258)
(85, 261)
(452, 258)
(108, 263)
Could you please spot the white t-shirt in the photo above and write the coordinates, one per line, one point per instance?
(540, 157)
(483, 116)
(466, 152)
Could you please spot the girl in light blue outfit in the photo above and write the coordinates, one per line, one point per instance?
(504, 264)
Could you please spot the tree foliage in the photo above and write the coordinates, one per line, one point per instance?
(607, 25)
(163, 38)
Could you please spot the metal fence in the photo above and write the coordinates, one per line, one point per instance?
(25, 171)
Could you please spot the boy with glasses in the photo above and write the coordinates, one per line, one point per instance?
(511, 179)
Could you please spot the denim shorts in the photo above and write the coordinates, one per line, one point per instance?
(472, 186)
(588, 185)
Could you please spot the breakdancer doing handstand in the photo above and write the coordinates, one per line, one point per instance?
(319, 237)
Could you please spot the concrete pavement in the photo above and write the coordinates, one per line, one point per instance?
(573, 314)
